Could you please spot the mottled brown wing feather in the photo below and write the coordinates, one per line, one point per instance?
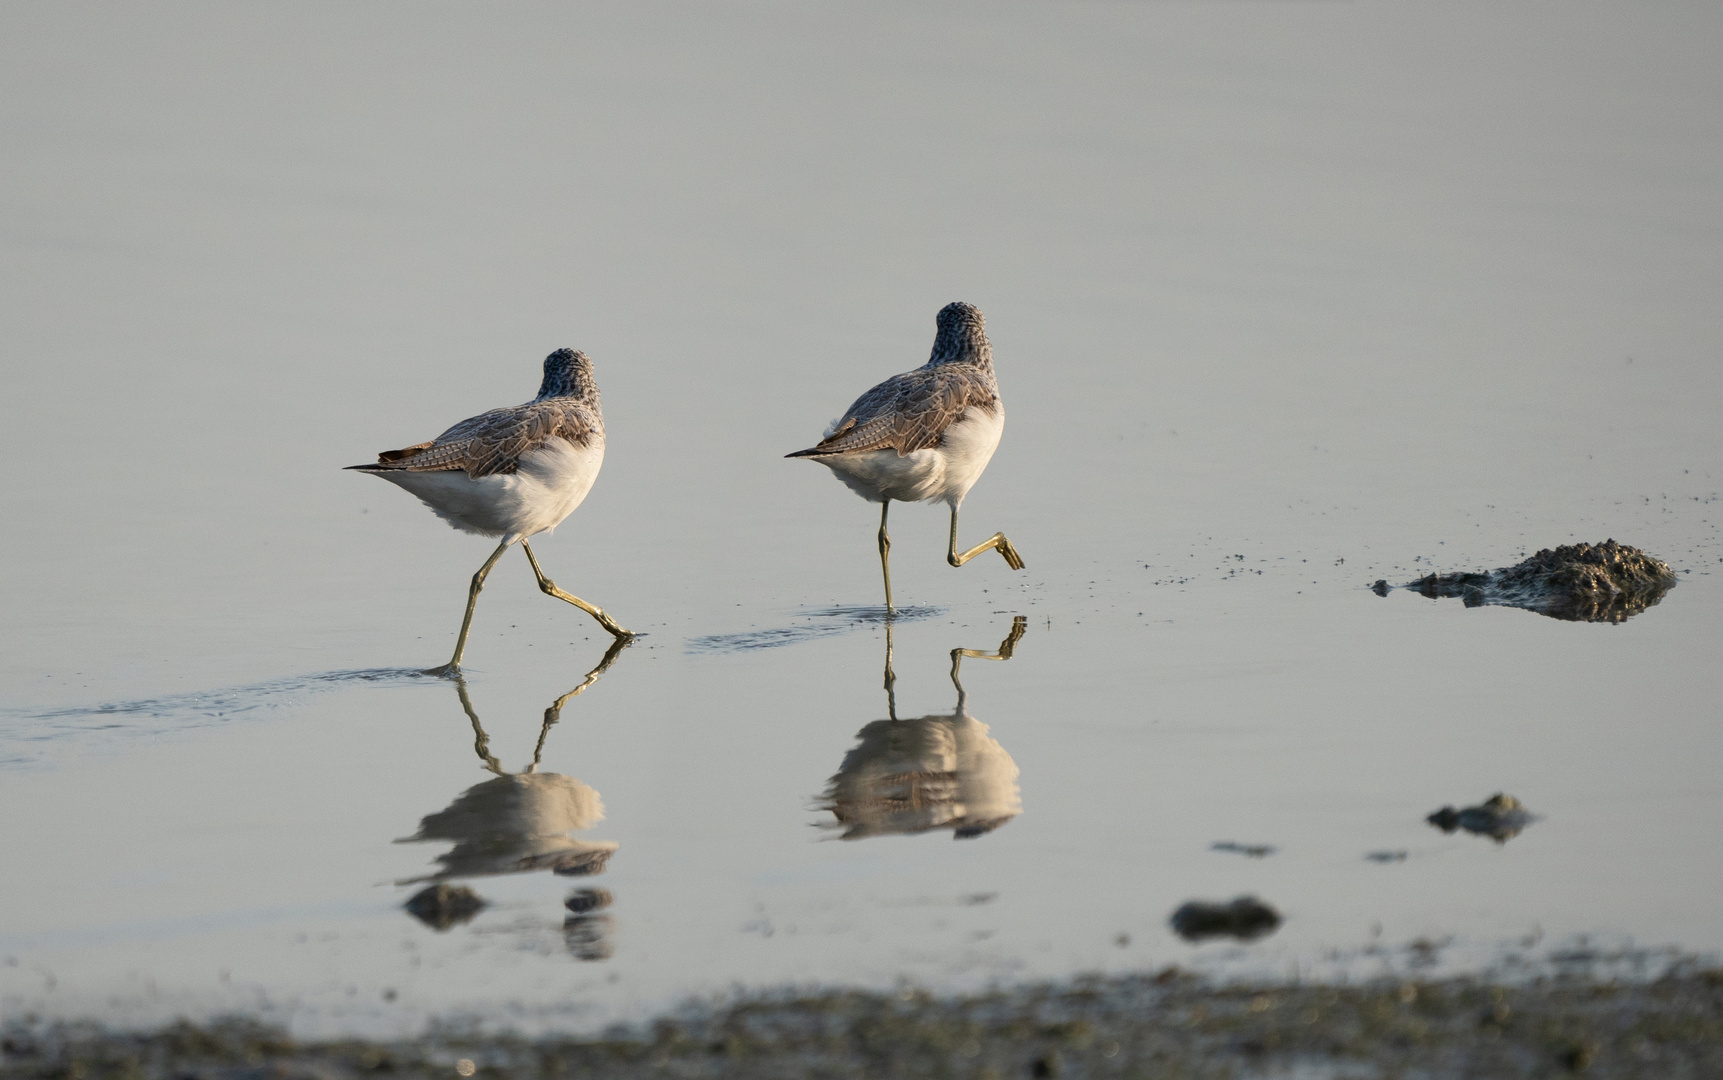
(911, 411)
(405, 452)
(493, 442)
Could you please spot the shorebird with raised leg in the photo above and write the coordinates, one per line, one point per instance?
(512, 473)
(925, 435)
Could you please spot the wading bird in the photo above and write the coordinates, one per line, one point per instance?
(925, 435)
(512, 473)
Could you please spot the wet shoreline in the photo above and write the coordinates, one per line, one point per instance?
(1170, 1023)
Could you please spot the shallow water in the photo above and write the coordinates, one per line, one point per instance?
(1284, 299)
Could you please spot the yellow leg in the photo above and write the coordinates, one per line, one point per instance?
(996, 541)
(453, 668)
(885, 552)
(1019, 626)
(549, 587)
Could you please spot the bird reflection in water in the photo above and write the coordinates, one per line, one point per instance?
(933, 772)
(520, 822)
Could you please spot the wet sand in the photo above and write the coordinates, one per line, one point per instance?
(1165, 1025)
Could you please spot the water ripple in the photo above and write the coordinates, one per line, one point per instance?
(817, 623)
(173, 712)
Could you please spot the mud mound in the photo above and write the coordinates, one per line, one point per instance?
(1607, 582)
(1245, 918)
(1500, 817)
(442, 906)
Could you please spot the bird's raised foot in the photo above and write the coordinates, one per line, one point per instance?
(1012, 559)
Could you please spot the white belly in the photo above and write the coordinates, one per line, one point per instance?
(549, 484)
(942, 473)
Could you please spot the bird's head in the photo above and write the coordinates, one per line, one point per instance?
(962, 336)
(568, 373)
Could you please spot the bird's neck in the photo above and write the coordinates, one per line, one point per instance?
(962, 345)
(575, 384)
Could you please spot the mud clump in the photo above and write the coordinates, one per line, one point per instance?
(442, 906)
(1245, 918)
(1500, 817)
(1607, 582)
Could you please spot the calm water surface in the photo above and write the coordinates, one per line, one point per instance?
(1284, 299)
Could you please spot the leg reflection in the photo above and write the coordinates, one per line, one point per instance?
(890, 677)
(554, 713)
(1019, 626)
(481, 741)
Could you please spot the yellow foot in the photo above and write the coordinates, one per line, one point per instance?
(1012, 559)
(609, 624)
(619, 633)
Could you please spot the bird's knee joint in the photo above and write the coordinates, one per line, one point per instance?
(547, 586)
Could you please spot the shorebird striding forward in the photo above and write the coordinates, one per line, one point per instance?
(512, 473)
(925, 435)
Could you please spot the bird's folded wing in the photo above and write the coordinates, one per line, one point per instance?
(908, 412)
(493, 442)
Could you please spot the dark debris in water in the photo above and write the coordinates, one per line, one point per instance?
(582, 863)
(1169, 1024)
(1245, 918)
(1249, 851)
(589, 937)
(1500, 817)
(582, 901)
(442, 906)
(1607, 582)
